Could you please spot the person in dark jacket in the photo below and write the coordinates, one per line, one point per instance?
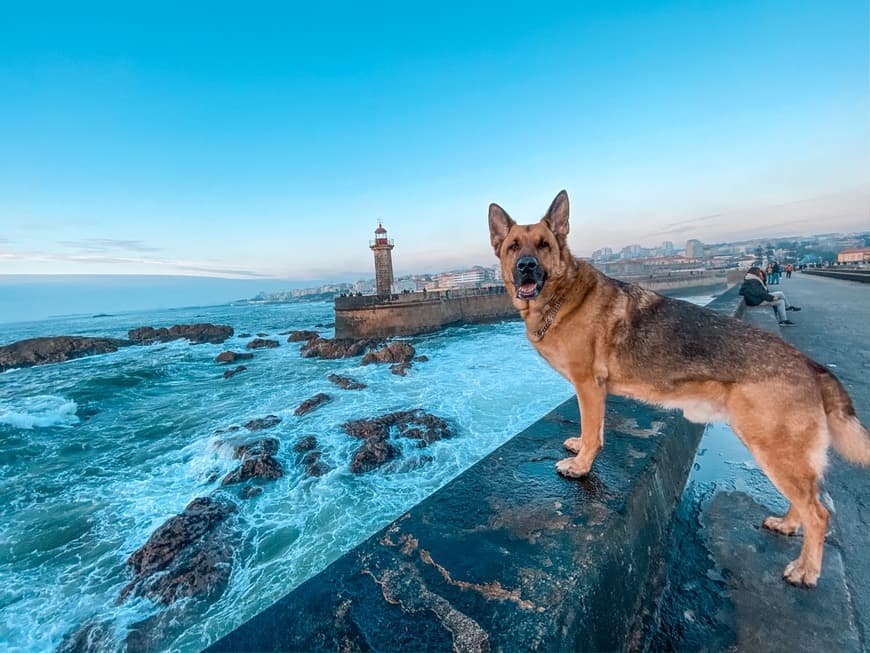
(755, 293)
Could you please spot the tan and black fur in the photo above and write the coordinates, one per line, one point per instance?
(607, 336)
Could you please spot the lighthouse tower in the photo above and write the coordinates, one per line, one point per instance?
(382, 248)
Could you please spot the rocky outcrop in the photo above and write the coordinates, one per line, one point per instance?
(195, 333)
(311, 403)
(373, 453)
(228, 374)
(262, 466)
(265, 446)
(263, 423)
(308, 443)
(187, 556)
(376, 433)
(421, 359)
(314, 465)
(400, 369)
(232, 356)
(300, 336)
(395, 352)
(331, 349)
(260, 343)
(56, 349)
(346, 382)
(415, 424)
(92, 637)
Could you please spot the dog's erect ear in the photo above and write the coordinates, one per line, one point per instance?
(499, 225)
(557, 215)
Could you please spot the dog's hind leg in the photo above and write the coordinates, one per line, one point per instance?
(790, 456)
(788, 524)
(591, 397)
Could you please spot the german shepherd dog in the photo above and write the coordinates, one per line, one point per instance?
(607, 336)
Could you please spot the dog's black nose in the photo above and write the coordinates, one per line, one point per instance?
(527, 263)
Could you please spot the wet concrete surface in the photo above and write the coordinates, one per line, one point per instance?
(724, 586)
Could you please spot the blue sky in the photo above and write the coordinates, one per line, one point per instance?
(267, 140)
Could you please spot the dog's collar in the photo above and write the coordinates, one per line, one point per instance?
(548, 318)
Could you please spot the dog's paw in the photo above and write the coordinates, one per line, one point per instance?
(781, 525)
(797, 572)
(572, 444)
(571, 468)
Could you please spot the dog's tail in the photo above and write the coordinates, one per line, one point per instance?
(850, 438)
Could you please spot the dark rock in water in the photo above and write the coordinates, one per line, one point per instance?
(263, 423)
(298, 336)
(232, 356)
(260, 343)
(415, 424)
(231, 373)
(93, 637)
(400, 369)
(262, 335)
(57, 349)
(311, 403)
(102, 315)
(314, 466)
(346, 382)
(377, 450)
(257, 448)
(331, 349)
(251, 491)
(372, 454)
(195, 333)
(395, 352)
(326, 325)
(307, 443)
(421, 359)
(318, 469)
(229, 429)
(311, 457)
(244, 335)
(186, 556)
(263, 466)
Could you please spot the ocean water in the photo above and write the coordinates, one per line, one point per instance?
(96, 453)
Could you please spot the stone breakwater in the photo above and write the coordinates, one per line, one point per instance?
(58, 349)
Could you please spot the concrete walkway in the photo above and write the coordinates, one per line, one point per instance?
(725, 590)
(834, 329)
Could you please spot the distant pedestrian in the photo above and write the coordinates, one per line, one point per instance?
(788, 270)
(755, 293)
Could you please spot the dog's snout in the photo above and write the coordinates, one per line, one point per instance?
(527, 263)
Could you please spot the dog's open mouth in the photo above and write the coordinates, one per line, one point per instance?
(528, 290)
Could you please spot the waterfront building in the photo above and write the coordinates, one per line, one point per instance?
(854, 255)
(382, 247)
(694, 249)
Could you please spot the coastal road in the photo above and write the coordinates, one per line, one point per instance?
(834, 329)
(724, 589)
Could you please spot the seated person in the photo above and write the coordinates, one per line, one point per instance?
(755, 293)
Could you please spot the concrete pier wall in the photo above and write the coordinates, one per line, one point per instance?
(417, 313)
(410, 314)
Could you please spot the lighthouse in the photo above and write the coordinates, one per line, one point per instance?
(382, 248)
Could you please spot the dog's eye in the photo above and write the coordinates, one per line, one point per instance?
(543, 244)
(514, 246)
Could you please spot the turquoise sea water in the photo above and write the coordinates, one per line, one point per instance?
(96, 453)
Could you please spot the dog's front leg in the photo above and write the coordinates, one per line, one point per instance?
(590, 397)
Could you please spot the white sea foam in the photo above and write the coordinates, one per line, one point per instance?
(40, 411)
